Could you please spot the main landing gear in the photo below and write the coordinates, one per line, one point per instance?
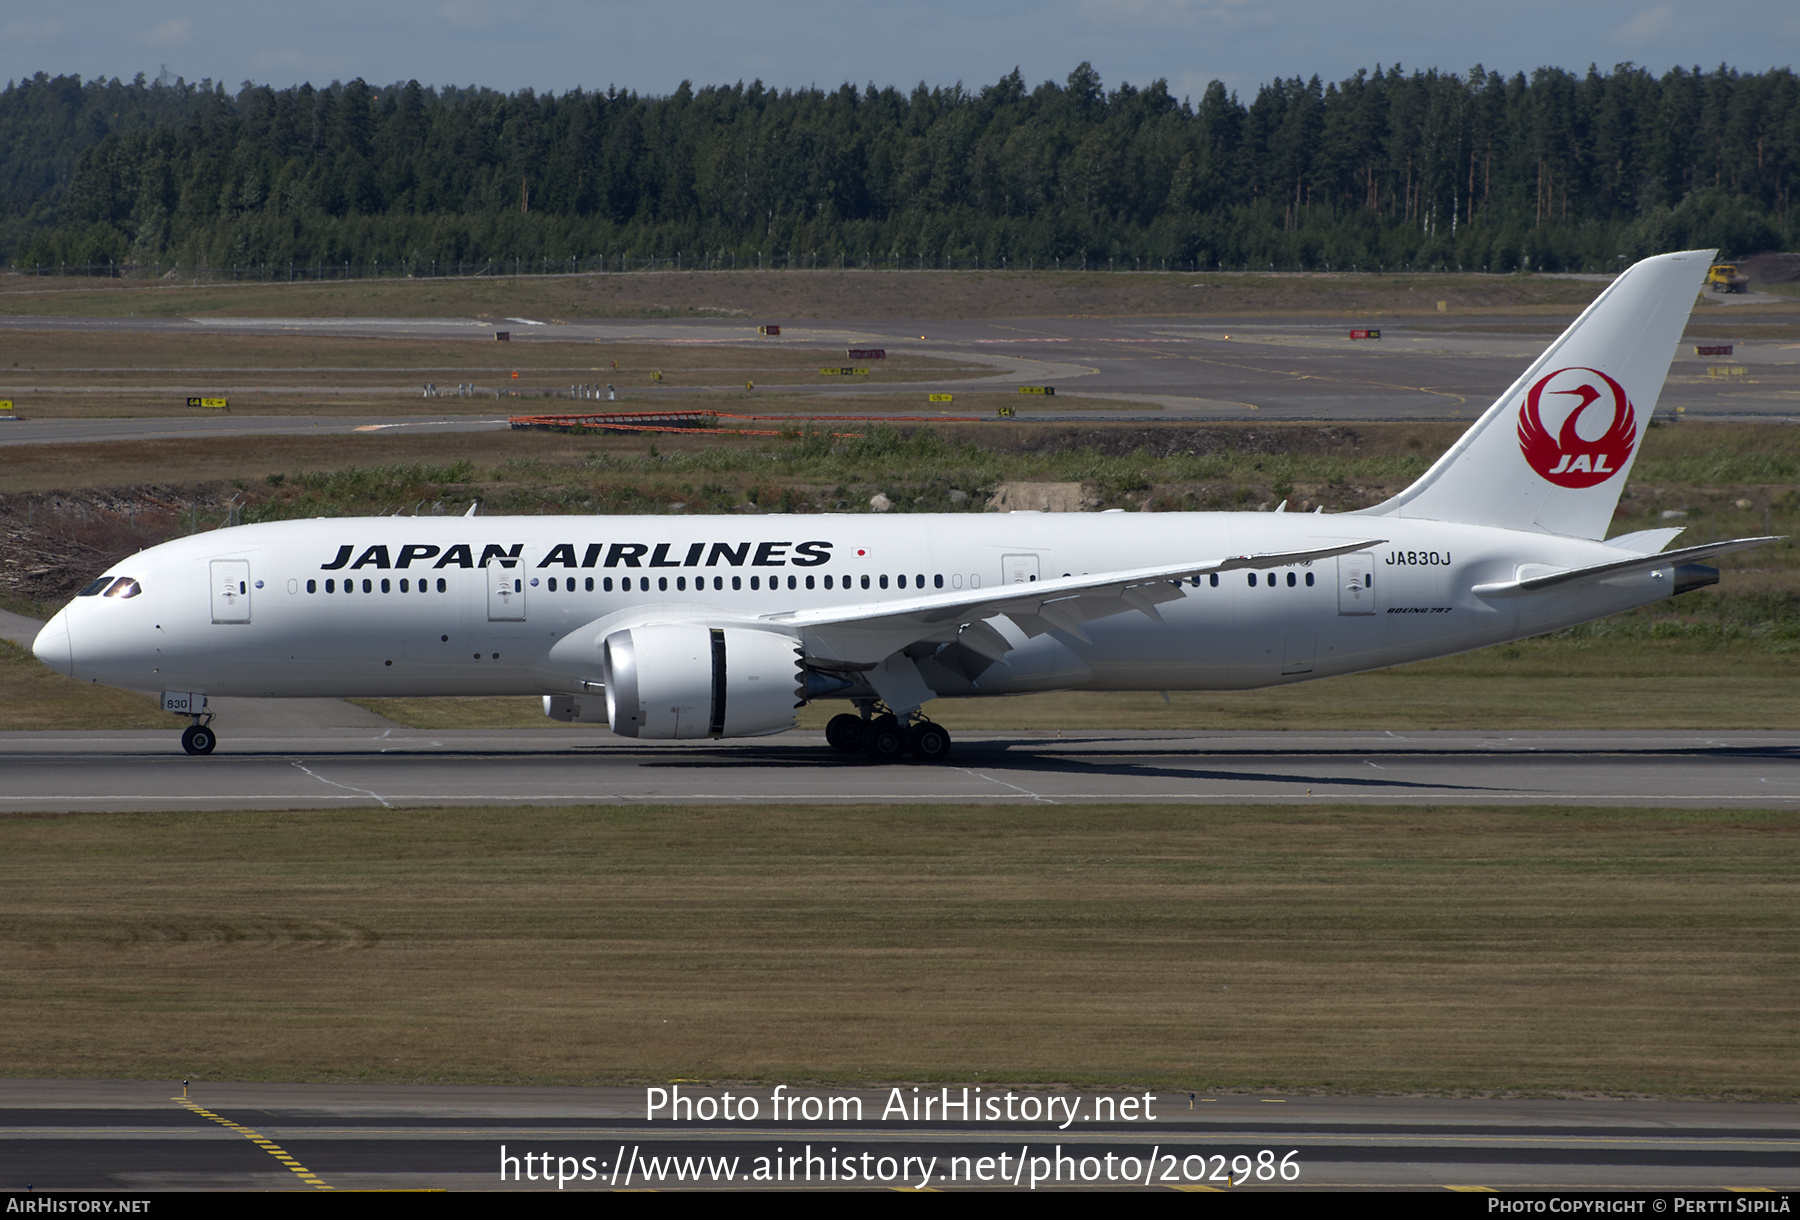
(884, 739)
(198, 737)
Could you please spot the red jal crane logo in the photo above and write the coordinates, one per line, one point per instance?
(1568, 458)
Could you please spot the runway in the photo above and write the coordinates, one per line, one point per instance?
(1170, 369)
(133, 1136)
(294, 768)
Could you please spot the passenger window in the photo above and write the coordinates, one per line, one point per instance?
(368, 585)
(1309, 580)
(312, 586)
(919, 581)
(331, 586)
(590, 584)
(755, 583)
(385, 586)
(442, 587)
(792, 583)
(809, 582)
(902, 580)
(737, 582)
(1213, 580)
(884, 580)
(1252, 577)
(553, 584)
(938, 580)
(404, 586)
(1291, 580)
(828, 582)
(865, 582)
(681, 584)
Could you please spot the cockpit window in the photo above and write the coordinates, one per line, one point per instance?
(125, 586)
(95, 587)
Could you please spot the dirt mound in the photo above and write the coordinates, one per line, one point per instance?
(1771, 267)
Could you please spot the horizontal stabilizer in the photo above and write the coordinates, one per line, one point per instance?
(1622, 567)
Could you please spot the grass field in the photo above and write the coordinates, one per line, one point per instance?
(757, 297)
(34, 696)
(1357, 949)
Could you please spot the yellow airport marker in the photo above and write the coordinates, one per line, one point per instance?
(256, 1137)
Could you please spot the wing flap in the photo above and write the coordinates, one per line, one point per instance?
(870, 631)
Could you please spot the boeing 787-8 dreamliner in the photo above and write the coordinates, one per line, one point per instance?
(673, 627)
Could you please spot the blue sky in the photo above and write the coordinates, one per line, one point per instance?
(558, 45)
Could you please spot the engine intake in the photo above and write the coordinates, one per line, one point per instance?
(678, 682)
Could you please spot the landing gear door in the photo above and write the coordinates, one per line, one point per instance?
(230, 590)
(1018, 569)
(1356, 584)
(506, 578)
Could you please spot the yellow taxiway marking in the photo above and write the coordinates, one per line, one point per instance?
(261, 1141)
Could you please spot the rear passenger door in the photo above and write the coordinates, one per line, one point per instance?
(1356, 584)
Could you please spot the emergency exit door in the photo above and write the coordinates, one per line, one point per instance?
(1018, 569)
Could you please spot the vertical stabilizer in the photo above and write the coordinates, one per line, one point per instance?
(1552, 454)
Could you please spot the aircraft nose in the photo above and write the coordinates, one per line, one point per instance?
(53, 646)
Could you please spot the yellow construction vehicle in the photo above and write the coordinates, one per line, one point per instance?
(1724, 277)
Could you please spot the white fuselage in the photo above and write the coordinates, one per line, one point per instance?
(474, 606)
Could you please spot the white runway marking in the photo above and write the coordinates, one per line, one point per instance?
(349, 787)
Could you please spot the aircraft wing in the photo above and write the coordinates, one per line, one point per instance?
(1595, 573)
(861, 635)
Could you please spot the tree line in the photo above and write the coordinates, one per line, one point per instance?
(1553, 171)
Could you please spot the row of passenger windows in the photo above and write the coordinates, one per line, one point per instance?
(368, 586)
(1271, 579)
(568, 584)
(737, 582)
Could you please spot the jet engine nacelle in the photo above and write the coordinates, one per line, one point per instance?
(683, 681)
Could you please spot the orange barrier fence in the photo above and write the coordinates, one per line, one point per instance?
(707, 421)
